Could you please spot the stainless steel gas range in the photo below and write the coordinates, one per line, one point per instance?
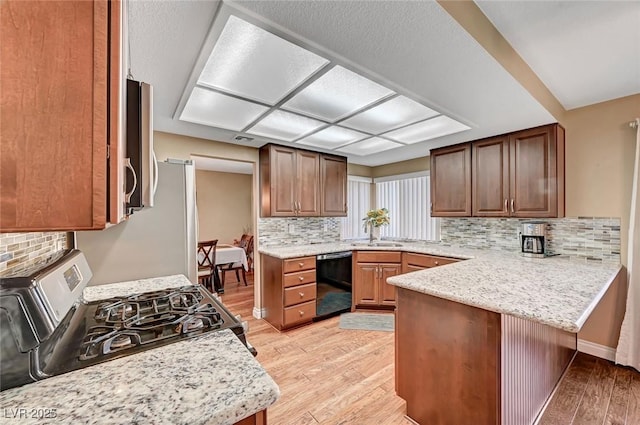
(46, 328)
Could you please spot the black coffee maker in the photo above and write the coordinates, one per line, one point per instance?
(533, 239)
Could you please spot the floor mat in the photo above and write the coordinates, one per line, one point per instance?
(334, 301)
(367, 322)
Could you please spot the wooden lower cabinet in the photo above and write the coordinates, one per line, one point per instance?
(289, 290)
(260, 418)
(412, 262)
(370, 272)
(458, 364)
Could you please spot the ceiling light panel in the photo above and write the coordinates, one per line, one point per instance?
(388, 115)
(251, 62)
(426, 130)
(285, 126)
(369, 146)
(214, 109)
(336, 94)
(332, 137)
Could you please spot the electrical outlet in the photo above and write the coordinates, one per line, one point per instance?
(326, 227)
(292, 228)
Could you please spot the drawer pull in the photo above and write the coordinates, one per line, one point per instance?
(301, 313)
(301, 278)
(301, 265)
(437, 263)
(301, 294)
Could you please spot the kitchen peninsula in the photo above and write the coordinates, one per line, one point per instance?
(486, 340)
(483, 340)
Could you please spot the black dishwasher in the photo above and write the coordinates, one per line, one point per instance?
(333, 279)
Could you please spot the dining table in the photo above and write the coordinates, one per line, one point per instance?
(227, 254)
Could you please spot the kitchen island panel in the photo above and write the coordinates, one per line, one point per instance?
(447, 360)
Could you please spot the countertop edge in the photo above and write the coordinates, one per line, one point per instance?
(582, 319)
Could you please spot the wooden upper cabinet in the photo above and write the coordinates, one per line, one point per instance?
(333, 186)
(451, 181)
(61, 102)
(490, 177)
(519, 174)
(53, 102)
(307, 183)
(296, 182)
(537, 172)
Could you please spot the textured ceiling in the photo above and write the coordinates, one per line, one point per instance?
(585, 52)
(414, 48)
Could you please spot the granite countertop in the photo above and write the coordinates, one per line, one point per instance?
(210, 379)
(293, 251)
(121, 289)
(554, 291)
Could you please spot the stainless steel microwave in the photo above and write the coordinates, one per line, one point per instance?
(140, 160)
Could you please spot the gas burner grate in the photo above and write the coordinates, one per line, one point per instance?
(134, 321)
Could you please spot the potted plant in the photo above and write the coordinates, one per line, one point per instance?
(375, 219)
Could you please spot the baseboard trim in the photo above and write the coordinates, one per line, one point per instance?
(259, 313)
(598, 350)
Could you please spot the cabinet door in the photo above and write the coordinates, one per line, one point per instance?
(308, 183)
(53, 103)
(283, 189)
(365, 284)
(490, 172)
(451, 181)
(388, 292)
(333, 178)
(534, 178)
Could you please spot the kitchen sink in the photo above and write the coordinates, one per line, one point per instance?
(377, 244)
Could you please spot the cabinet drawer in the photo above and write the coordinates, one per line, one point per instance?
(299, 264)
(299, 294)
(293, 279)
(427, 260)
(379, 257)
(299, 313)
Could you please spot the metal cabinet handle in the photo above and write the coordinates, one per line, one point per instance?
(506, 201)
(301, 265)
(437, 263)
(301, 313)
(512, 209)
(301, 278)
(431, 207)
(127, 164)
(301, 294)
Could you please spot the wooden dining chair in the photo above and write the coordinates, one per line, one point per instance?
(246, 243)
(207, 263)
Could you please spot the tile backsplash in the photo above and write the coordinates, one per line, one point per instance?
(588, 238)
(298, 230)
(23, 250)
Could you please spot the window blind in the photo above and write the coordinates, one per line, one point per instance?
(359, 202)
(408, 200)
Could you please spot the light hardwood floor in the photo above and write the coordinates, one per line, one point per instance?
(332, 376)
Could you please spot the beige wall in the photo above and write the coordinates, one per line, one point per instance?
(402, 167)
(358, 170)
(599, 153)
(224, 205)
(600, 148)
(168, 145)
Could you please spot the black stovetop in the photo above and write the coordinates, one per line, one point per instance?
(108, 329)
